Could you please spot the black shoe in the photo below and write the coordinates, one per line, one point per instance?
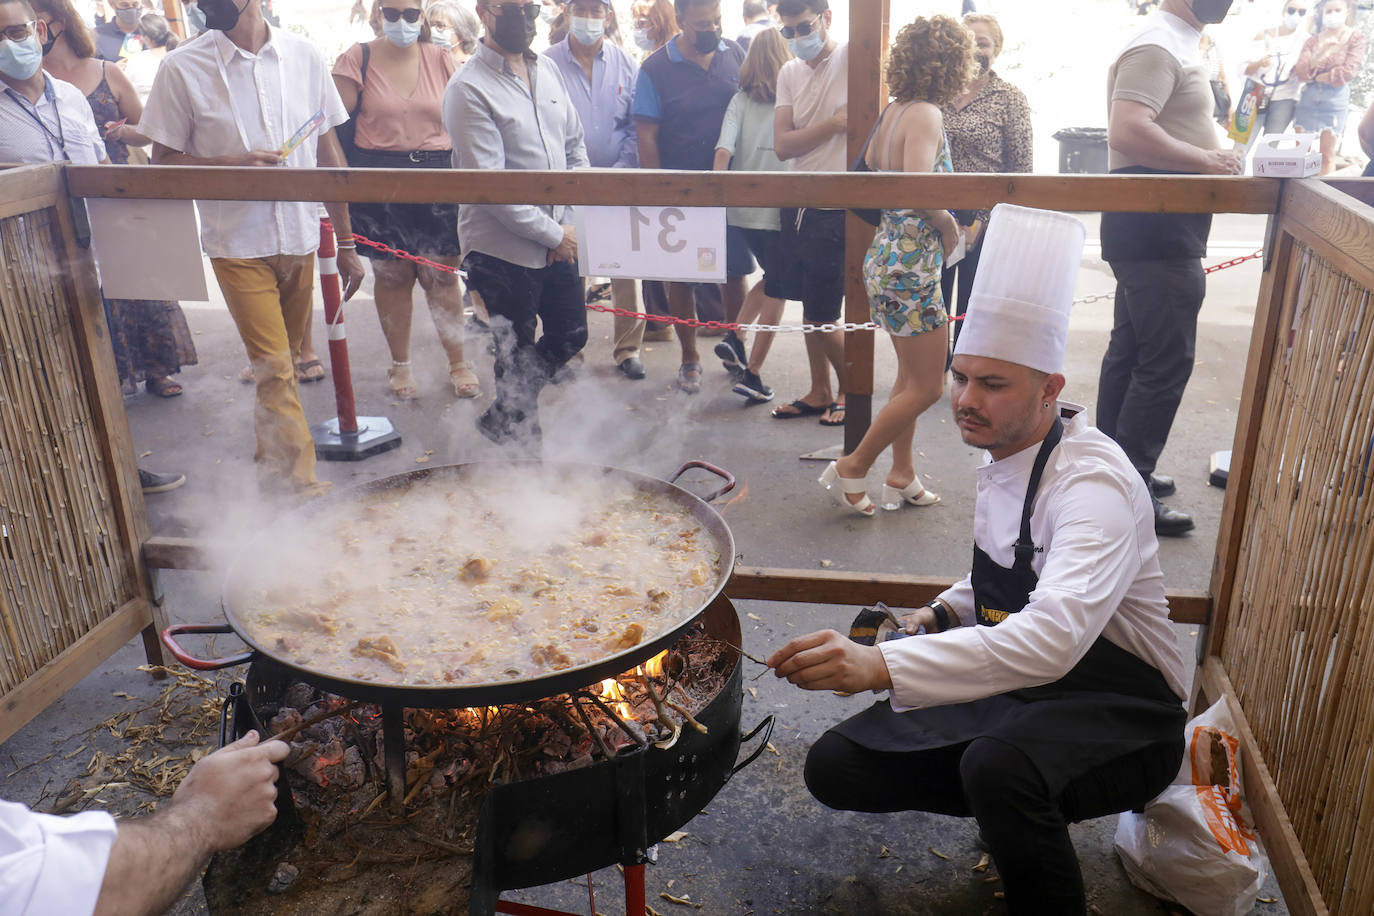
(1161, 487)
(731, 353)
(152, 482)
(631, 367)
(1170, 522)
(503, 427)
(753, 388)
(599, 293)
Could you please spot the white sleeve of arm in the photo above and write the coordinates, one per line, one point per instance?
(52, 864)
(1092, 560)
(959, 597)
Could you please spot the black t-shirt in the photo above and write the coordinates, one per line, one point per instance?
(1153, 236)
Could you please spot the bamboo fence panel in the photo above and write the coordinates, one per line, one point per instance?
(62, 569)
(1300, 646)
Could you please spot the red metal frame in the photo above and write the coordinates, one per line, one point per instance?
(334, 324)
(634, 899)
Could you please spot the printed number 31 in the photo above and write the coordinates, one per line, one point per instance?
(668, 218)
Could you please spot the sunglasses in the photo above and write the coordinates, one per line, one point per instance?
(803, 28)
(1295, 11)
(393, 15)
(529, 10)
(19, 32)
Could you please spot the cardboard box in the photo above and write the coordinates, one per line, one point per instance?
(1287, 156)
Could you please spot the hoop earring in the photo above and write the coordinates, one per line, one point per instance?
(1047, 403)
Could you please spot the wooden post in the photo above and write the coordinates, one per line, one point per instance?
(171, 9)
(867, 49)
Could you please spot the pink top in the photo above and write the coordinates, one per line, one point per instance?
(1333, 62)
(390, 121)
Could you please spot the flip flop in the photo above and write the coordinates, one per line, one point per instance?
(312, 370)
(799, 409)
(829, 418)
(689, 377)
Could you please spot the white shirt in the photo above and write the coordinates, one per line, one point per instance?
(814, 95)
(1098, 562)
(65, 116)
(212, 98)
(50, 864)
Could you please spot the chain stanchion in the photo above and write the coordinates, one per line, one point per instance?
(732, 326)
(347, 437)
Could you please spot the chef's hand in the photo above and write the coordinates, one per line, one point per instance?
(827, 660)
(350, 272)
(231, 794)
(1225, 162)
(921, 617)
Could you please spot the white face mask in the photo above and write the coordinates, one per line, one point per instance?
(587, 31)
(401, 33)
(642, 40)
(1331, 20)
(1292, 21)
(548, 13)
(441, 36)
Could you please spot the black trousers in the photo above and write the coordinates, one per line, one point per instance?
(1150, 355)
(1026, 827)
(960, 275)
(518, 299)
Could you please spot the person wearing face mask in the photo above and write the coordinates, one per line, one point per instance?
(394, 86)
(508, 108)
(654, 24)
(1275, 53)
(809, 135)
(600, 77)
(1159, 122)
(989, 130)
(194, 20)
(120, 36)
(1330, 59)
(233, 97)
(455, 27)
(679, 104)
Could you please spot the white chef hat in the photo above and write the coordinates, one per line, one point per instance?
(1018, 310)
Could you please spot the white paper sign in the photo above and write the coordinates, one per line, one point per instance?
(652, 243)
(147, 249)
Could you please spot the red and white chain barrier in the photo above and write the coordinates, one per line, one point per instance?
(735, 326)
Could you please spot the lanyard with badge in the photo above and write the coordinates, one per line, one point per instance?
(51, 95)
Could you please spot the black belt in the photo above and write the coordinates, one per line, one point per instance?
(401, 156)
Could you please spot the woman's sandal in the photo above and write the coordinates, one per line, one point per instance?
(402, 381)
(465, 384)
(913, 493)
(841, 487)
(163, 387)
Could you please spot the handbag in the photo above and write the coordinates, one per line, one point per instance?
(347, 131)
(872, 217)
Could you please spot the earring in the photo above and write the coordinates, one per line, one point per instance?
(1047, 403)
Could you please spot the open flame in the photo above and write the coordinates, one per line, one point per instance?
(614, 695)
(654, 666)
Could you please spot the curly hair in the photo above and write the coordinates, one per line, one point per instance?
(931, 60)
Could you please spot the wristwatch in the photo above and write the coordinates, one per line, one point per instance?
(942, 613)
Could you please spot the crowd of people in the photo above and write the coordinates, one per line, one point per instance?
(445, 83)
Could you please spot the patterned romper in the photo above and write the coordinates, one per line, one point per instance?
(902, 268)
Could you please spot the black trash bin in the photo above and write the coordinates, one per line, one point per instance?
(1082, 150)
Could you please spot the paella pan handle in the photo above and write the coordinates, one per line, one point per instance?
(766, 726)
(169, 640)
(723, 474)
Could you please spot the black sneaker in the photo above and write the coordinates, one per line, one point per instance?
(152, 482)
(731, 353)
(753, 388)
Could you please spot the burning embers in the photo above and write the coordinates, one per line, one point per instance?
(470, 748)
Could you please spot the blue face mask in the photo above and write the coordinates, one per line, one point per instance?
(401, 33)
(587, 31)
(807, 46)
(195, 16)
(20, 60)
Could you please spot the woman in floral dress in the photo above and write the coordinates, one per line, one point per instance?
(930, 62)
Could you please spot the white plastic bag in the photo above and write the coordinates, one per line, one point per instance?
(1195, 844)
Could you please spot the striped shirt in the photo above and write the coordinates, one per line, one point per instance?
(59, 128)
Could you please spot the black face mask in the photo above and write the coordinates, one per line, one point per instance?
(221, 15)
(512, 32)
(1210, 12)
(52, 40)
(706, 42)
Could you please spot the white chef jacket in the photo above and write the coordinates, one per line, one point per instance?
(49, 864)
(212, 98)
(1097, 559)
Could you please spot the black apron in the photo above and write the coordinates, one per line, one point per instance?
(1110, 704)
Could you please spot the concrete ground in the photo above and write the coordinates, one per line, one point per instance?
(763, 845)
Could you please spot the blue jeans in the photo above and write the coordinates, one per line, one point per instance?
(1322, 105)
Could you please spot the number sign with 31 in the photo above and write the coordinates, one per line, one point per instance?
(652, 243)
